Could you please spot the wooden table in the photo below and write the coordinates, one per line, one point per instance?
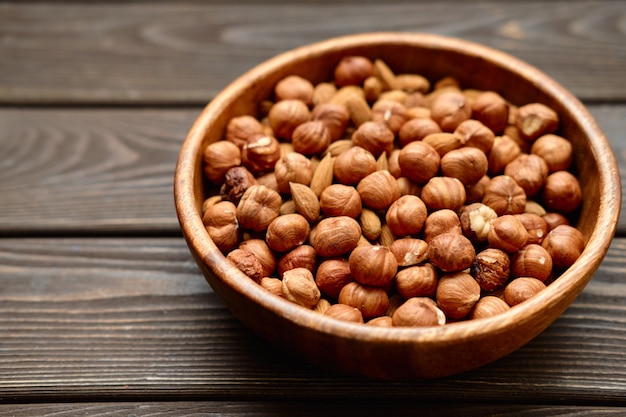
(102, 309)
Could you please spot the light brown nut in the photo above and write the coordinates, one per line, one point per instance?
(374, 137)
(293, 167)
(311, 137)
(340, 200)
(390, 113)
(466, 164)
(554, 219)
(409, 251)
(294, 87)
(419, 162)
(532, 261)
(286, 115)
(555, 150)
(382, 321)
(418, 312)
(353, 70)
(522, 289)
(218, 158)
(220, 221)
(488, 306)
(354, 164)
(299, 287)
(373, 265)
(236, 181)
(406, 215)
(332, 275)
(535, 119)
(260, 153)
(507, 233)
(323, 92)
(443, 193)
(336, 236)
(412, 83)
(451, 252)
(303, 256)
(262, 251)
(457, 293)
(286, 232)
(504, 195)
(358, 109)
(492, 110)
(529, 172)
(561, 192)
(345, 313)
(503, 151)
(535, 226)
(475, 135)
(440, 222)
(305, 201)
(385, 75)
(323, 174)
(322, 306)
(372, 87)
(449, 109)
(258, 207)
(444, 142)
(370, 224)
(491, 269)
(416, 129)
(334, 116)
(370, 301)
(378, 190)
(240, 128)
(417, 281)
(565, 244)
(273, 285)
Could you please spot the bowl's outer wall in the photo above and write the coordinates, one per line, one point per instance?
(401, 353)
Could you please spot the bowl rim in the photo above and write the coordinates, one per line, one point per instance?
(574, 278)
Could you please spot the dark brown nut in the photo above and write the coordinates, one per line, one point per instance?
(492, 110)
(451, 252)
(440, 222)
(293, 167)
(373, 265)
(240, 128)
(406, 215)
(503, 151)
(476, 221)
(555, 150)
(258, 207)
(475, 135)
(311, 138)
(334, 116)
(332, 275)
(554, 219)
(303, 256)
(371, 301)
(247, 263)
(443, 193)
(529, 172)
(409, 251)
(418, 312)
(507, 233)
(260, 153)
(374, 137)
(444, 142)
(378, 190)
(419, 162)
(263, 252)
(416, 129)
(390, 113)
(522, 289)
(504, 196)
(491, 269)
(299, 287)
(488, 306)
(535, 225)
(457, 293)
(294, 87)
(466, 164)
(353, 70)
(340, 200)
(273, 285)
(236, 181)
(345, 313)
(220, 221)
(286, 232)
(531, 261)
(561, 192)
(476, 192)
(286, 115)
(535, 119)
(218, 158)
(449, 109)
(417, 281)
(336, 236)
(565, 244)
(354, 164)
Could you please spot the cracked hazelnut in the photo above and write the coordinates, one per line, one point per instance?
(476, 221)
(260, 153)
(409, 251)
(491, 269)
(535, 119)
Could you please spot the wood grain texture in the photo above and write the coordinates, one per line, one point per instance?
(87, 319)
(185, 53)
(111, 171)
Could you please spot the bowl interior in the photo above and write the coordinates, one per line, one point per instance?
(402, 352)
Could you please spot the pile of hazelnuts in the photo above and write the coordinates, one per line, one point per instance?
(391, 200)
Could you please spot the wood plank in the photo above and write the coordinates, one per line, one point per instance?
(111, 170)
(185, 53)
(86, 319)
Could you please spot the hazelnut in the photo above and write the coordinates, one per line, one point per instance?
(334, 116)
(466, 164)
(418, 312)
(332, 275)
(491, 269)
(443, 193)
(561, 192)
(440, 222)
(451, 252)
(503, 151)
(390, 113)
(474, 134)
(475, 193)
(373, 265)
(382, 321)
(488, 306)
(286, 232)
(335, 236)
(417, 281)
(286, 115)
(521, 289)
(564, 243)
(378, 190)
(444, 142)
(220, 221)
(409, 251)
(311, 137)
(456, 294)
(533, 207)
(406, 215)
(535, 226)
(293, 167)
(476, 221)
(323, 92)
(236, 181)
(322, 306)
(532, 261)
(555, 150)
(247, 263)
(269, 180)
(218, 158)
(408, 187)
(419, 162)
(492, 110)
(371, 301)
(504, 195)
(507, 233)
(449, 109)
(353, 70)
(294, 87)
(529, 172)
(340, 200)
(345, 313)
(258, 207)
(305, 201)
(354, 164)
(374, 137)
(263, 252)
(273, 285)
(416, 129)
(299, 287)
(535, 119)
(554, 219)
(260, 153)
(393, 166)
(240, 128)
(303, 256)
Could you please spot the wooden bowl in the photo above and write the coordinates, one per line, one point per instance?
(400, 353)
